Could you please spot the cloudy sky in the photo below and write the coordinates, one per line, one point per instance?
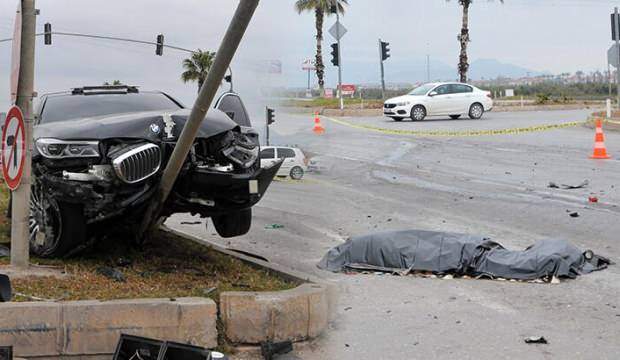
(542, 35)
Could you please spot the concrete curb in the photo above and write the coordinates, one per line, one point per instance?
(91, 328)
(253, 317)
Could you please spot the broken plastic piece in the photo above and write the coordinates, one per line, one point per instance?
(274, 226)
(111, 273)
(536, 340)
(268, 349)
(593, 199)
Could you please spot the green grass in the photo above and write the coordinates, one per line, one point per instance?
(333, 103)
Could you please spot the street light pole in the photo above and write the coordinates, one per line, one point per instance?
(20, 212)
(339, 61)
(382, 70)
(617, 28)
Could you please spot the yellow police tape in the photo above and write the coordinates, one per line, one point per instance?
(466, 133)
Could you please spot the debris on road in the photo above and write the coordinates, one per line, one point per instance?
(593, 199)
(268, 349)
(553, 185)
(111, 273)
(191, 222)
(274, 226)
(536, 340)
(574, 214)
(5, 288)
(442, 253)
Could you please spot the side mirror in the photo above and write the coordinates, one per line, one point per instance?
(432, 93)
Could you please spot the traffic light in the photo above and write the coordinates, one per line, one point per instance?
(385, 50)
(335, 54)
(159, 50)
(271, 116)
(48, 33)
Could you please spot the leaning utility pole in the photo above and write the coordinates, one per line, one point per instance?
(20, 210)
(223, 58)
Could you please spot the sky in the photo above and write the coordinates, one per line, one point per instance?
(542, 35)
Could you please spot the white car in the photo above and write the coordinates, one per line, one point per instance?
(295, 162)
(439, 99)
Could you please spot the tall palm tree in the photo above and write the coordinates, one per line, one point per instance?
(464, 39)
(321, 8)
(197, 67)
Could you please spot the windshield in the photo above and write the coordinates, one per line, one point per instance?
(422, 90)
(66, 107)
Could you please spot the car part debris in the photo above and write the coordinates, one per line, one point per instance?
(5, 288)
(268, 349)
(4, 251)
(459, 254)
(536, 340)
(130, 347)
(553, 185)
(111, 273)
(274, 226)
(593, 199)
(574, 214)
(6, 353)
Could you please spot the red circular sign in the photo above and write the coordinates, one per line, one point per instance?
(13, 152)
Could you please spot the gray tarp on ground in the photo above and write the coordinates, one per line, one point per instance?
(461, 254)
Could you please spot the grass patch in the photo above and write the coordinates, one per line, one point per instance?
(334, 103)
(168, 267)
(5, 224)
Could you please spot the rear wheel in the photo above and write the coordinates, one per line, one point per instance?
(55, 227)
(418, 113)
(233, 224)
(454, 117)
(396, 118)
(476, 111)
(297, 173)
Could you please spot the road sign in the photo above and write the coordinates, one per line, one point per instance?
(16, 52)
(308, 65)
(347, 90)
(338, 31)
(13, 152)
(612, 56)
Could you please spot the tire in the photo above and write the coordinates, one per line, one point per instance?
(476, 110)
(297, 173)
(454, 117)
(55, 227)
(395, 118)
(418, 113)
(233, 224)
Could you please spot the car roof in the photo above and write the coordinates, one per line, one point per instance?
(278, 146)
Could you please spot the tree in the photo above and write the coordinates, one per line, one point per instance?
(114, 83)
(464, 39)
(320, 8)
(197, 67)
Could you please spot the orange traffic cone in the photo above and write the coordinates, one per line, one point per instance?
(318, 127)
(600, 152)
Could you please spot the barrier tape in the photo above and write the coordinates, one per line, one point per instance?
(468, 133)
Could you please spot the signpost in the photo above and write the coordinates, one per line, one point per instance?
(338, 31)
(13, 153)
(615, 34)
(308, 65)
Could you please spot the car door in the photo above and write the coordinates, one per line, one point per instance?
(267, 157)
(288, 155)
(463, 97)
(441, 103)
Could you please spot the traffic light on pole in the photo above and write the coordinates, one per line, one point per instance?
(159, 50)
(48, 33)
(385, 50)
(271, 116)
(335, 54)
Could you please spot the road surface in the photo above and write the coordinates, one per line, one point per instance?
(490, 185)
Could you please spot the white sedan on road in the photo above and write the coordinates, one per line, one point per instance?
(440, 99)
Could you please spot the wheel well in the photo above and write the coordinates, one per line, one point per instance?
(419, 105)
(476, 103)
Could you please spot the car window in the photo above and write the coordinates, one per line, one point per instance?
(461, 89)
(67, 107)
(422, 90)
(268, 153)
(443, 90)
(286, 153)
(232, 105)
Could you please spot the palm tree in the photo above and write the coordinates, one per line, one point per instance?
(197, 67)
(464, 39)
(320, 8)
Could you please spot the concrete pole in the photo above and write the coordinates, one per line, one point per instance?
(20, 211)
(221, 63)
(617, 25)
(339, 61)
(608, 105)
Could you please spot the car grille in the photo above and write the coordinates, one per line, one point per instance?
(389, 106)
(138, 163)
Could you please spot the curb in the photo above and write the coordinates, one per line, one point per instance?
(92, 328)
(298, 314)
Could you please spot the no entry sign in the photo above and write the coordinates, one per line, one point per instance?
(13, 154)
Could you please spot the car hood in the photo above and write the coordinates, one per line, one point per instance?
(143, 125)
(398, 99)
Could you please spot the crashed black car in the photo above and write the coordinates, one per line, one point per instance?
(98, 157)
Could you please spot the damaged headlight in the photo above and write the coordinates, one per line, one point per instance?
(59, 149)
(243, 151)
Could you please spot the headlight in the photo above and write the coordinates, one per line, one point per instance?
(404, 103)
(59, 149)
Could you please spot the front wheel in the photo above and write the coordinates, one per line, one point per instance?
(297, 173)
(233, 224)
(418, 113)
(476, 111)
(55, 228)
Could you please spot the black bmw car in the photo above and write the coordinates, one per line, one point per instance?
(100, 151)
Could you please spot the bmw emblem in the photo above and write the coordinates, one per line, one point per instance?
(155, 128)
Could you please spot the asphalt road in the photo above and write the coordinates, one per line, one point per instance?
(491, 185)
